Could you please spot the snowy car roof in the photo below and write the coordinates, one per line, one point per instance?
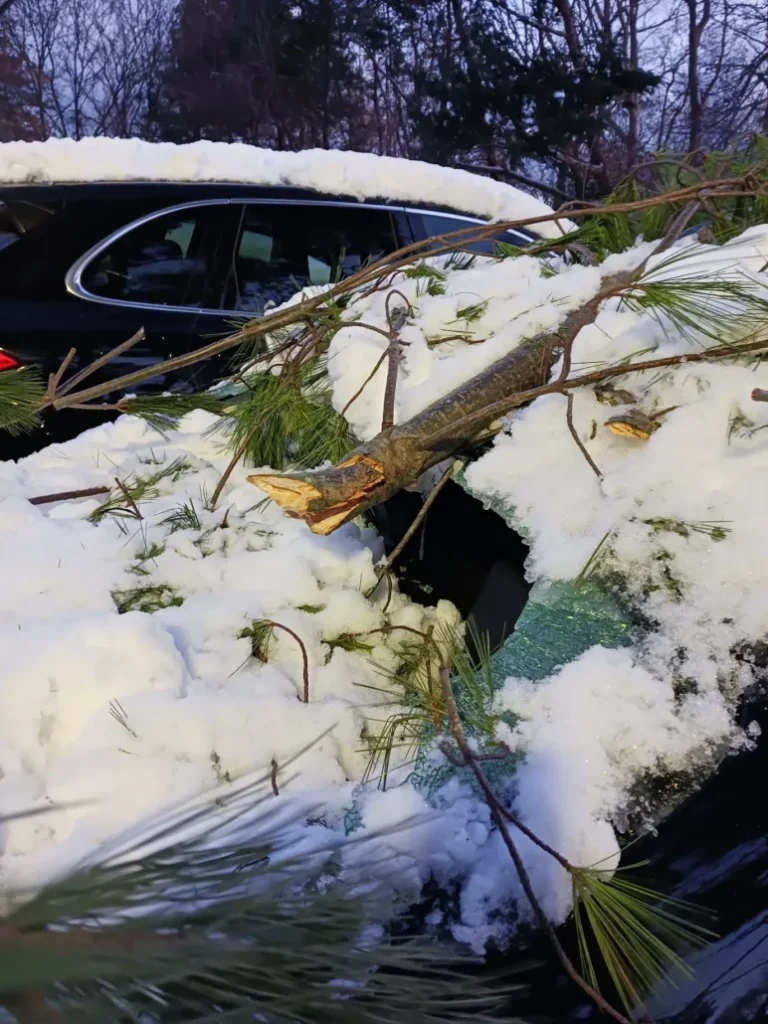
(339, 172)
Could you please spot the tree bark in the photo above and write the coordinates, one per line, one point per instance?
(696, 112)
(395, 458)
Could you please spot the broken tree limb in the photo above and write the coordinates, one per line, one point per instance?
(327, 498)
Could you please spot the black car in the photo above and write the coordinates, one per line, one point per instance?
(85, 266)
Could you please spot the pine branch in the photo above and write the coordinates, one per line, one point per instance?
(744, 185)
(380, 468)
(636, 929)
(225, 925)
(457, 731)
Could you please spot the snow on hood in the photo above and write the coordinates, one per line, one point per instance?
(337, 172)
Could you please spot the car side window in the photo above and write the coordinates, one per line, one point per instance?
(439, 224)
(282, 248)
(164, 261)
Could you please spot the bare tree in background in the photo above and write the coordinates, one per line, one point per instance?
(90, 67)
(570, 93)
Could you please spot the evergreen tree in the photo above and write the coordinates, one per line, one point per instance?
(275, 73)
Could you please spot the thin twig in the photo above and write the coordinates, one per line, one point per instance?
(129, 499)
(390, 388)
(273, 777)
(396, 319)
(678, 225)
(97, 364)
(398, 550)
(232, 463)
(454, 724)
(365, 383)
(85, 492)
(101, 407)
(304, 656)
(579, 443)
(54, 379)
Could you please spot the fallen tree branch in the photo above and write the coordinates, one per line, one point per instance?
(381, 467)
(372, 274)
(376, 470)
(506, 405)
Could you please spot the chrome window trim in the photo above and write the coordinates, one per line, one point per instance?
(73, 278)
(465, 219)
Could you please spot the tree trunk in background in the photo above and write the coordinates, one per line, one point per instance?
(696, 27)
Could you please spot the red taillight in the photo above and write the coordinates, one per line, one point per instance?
(7, 362)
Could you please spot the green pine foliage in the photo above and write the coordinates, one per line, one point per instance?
(163, 412)
(147, 598)
(724, 311)
(123, 501)
(192, 919)
(287, 419)
(637, 933)
(21, 391)
(412, 695)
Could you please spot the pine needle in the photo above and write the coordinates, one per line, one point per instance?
(141, 488)
(163, 412)
(260, 632)
(413, 692)
(718, 309)
(636, 931)
(208, 915)
(21, 391)
(470, 313)
(183, 517)
(149, 598)
(714, 529)
(288, 419)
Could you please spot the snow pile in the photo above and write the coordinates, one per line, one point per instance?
(119, 715)
(130, 711)
(334, 172)
(676, 524)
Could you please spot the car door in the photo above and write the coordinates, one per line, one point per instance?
(153, 272)
(157, 274)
